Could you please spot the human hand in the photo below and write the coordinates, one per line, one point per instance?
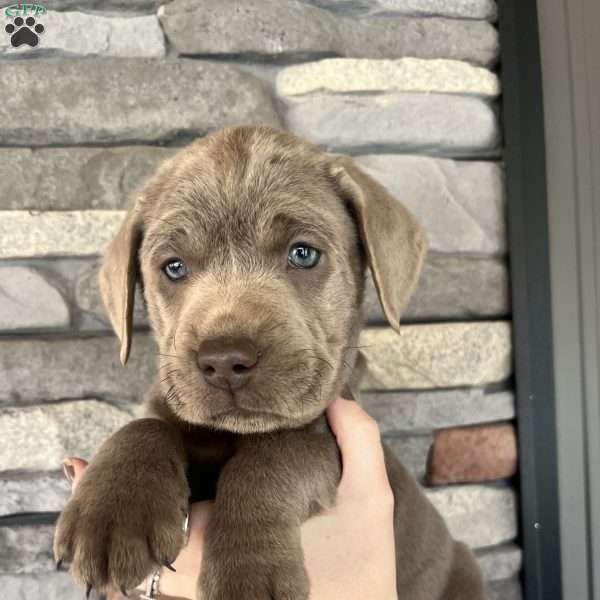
(348, 550)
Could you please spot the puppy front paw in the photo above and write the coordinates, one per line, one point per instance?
(253, 567)
(115, 536)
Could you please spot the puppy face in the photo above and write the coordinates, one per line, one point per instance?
(253, 275)
(251, 247)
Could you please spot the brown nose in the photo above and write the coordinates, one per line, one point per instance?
(227, 363)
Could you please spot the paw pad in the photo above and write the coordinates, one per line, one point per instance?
(24, 31)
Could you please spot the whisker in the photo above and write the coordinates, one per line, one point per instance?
(313, 356)
(166, 363)
(169, 391)
(348, 348)
(166, 377)
(274, 327)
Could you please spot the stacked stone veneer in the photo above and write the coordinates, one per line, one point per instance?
(406, 86)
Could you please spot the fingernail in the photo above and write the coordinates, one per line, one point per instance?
(68, 470)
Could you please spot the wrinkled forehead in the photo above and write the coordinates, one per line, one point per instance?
(244, 200)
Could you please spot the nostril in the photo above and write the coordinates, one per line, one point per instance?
(208, 370)
(240, 368)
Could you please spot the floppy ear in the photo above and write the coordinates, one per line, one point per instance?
(117, 278)
(394, 242)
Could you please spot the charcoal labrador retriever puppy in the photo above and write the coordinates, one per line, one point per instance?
(251, 247)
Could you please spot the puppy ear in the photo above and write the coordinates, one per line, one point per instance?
(394, 241)
(117, 278)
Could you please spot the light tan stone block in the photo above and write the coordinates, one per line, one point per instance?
(437, 355)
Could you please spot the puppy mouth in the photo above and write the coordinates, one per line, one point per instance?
(241, 420)
(245, 413)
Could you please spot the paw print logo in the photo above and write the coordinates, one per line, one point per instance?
(24, 32)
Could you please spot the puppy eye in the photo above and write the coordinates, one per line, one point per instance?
(175, 269)
(303, 256)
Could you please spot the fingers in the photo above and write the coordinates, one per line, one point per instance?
(182, 583)
(358, 437)
(73, 469)
(200, 513)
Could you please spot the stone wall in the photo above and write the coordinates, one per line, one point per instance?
(406, 86)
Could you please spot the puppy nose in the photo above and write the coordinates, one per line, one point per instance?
(227, 363)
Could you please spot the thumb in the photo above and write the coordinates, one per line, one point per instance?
(357, 435)
(73, 469)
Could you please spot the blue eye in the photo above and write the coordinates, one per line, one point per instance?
(175, 269)
(303, 256)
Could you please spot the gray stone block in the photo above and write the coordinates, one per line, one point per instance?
(28, 301)
(458, 9)
(118, 100)
(393, 37)
(435, 124)
(105, 5)
(500, 562)
(42, 369)
(30, 492)
(460, 204)
(40, 437)
(104, 36)
(478, 515)
(437, 355)
(46, 586)
(411, 451)
(505, 590)
(57, 233)
(271, 27)
(75, 178)
(26, 549)
(276, 28)
(437, 409)
(451, 288)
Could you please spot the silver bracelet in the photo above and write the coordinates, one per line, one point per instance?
(152, 587)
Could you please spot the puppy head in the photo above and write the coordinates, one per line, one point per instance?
(251, 246)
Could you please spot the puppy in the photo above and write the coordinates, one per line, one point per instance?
(251, 247)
